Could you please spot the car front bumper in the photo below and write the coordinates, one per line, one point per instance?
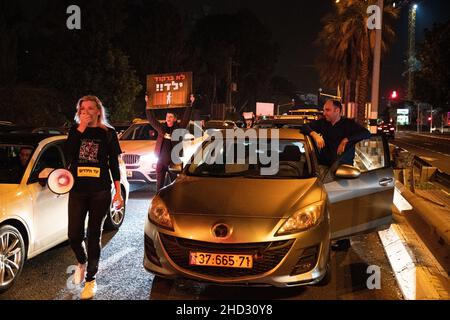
(301, 259)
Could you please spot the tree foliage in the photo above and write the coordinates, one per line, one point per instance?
(433, 78)
(347, 48)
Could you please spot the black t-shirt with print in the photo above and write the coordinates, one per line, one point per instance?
(92, 155)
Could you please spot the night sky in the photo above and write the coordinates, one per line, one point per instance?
(295, 24)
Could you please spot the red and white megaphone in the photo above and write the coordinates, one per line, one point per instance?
(60, 181)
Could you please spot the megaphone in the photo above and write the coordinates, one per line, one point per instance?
(60, 181)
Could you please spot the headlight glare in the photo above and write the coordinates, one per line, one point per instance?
(303, 219)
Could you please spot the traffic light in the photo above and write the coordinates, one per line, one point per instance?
(430, 118)
(394, 95)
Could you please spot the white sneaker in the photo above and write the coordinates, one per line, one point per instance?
(80, 273)
(90, 288)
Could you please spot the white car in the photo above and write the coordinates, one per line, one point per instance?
(32, 218)
(138, 146)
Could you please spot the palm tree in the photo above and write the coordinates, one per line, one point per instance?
(347, 47)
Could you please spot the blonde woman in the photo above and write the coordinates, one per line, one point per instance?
(92, 150)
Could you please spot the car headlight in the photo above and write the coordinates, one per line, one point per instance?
(149, 158)
(303, 219)
(159, 214)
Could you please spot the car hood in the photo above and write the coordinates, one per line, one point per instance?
(137, 146)
(266, 198)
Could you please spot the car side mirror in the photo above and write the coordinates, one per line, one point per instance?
(346, 171)
(43, 176)
(176, 168)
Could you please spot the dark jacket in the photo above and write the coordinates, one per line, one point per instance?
(162, 128)
(333, 135)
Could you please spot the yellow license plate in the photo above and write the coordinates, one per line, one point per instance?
(221, 260)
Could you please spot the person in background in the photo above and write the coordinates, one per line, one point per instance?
(164, 143)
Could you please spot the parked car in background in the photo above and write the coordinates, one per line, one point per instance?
(387, 129)
(32, 218)
(5, 123)
(32, 129)
(220, 124)
(138, 145)
(121, 127)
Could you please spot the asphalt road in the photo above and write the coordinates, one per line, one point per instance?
(432, 148)
(122, 276)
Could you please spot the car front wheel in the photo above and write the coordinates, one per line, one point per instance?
(115, 217)
(12, 256)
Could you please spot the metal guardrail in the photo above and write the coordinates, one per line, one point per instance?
(441, 177)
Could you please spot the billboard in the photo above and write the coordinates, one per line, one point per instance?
(264, 109)
(169, 90)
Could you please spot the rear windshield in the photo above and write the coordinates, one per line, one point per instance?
(140, 132)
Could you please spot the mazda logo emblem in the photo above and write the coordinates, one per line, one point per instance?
(221, 230)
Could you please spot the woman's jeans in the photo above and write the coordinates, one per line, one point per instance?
(97, 204)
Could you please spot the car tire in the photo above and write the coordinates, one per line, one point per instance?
(12, 256)
(341, 245)
(114, 217)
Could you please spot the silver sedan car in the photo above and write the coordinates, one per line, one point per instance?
(225, 222)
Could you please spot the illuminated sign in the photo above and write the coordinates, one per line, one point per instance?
(403, 111)
(403, 120)
(170, 90)
(448, 118)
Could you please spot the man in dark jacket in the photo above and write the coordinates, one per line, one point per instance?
(333, 133)
(164, 143)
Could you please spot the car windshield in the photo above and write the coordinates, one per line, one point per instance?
(251, 159)
(140, 132)
(13, 162)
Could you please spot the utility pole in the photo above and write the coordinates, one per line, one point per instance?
(229, 80)
(376, 70)
(418, 117)
(431, 122)
(411, 50)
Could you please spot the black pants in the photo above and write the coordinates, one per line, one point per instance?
(161, 170)
(97, 204)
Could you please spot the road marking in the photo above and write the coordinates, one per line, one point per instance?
(425, 135)
(416, 146)
(114, 258)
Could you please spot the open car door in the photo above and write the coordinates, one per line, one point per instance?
(363, 204)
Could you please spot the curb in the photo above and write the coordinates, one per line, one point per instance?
(418, 273)
(437, 218)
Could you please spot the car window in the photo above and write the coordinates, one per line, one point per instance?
(51, 157)
(140, 132)
(292, 160)
(14, 160)
(369, 154)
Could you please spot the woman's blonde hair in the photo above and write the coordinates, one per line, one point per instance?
(102, 121)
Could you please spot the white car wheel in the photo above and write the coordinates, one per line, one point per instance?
(12, 256)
